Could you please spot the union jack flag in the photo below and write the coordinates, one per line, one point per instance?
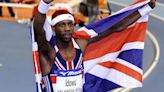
(113, 62)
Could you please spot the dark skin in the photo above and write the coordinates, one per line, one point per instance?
(64, 30)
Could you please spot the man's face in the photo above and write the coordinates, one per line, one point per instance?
(64, 30)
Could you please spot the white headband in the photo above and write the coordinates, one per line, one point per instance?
(61, 18)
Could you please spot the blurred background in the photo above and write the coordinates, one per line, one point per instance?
(16, 67)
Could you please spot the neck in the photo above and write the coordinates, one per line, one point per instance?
(64, 45)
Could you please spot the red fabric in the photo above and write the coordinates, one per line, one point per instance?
(35, 10)
(59, 12)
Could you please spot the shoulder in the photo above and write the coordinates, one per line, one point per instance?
(82, 43)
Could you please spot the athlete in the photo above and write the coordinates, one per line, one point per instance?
(62, 62)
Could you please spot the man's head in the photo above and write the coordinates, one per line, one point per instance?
(63, 25)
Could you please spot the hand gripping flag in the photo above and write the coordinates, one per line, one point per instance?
(113, 62)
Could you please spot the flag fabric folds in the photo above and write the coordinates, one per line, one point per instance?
(113, 62)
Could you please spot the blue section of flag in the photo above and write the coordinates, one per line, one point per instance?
(37, 88)
(96, 84)
(133, 56)
(108, 22)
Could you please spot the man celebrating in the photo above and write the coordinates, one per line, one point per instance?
(62, 62)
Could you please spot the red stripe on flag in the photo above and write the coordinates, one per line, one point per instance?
(114, 42)
(138, 32)
(36, 62)
(33, 61)
(53, 79)
(138, 1)
(81, 34)
(122, 68)
(42, 81)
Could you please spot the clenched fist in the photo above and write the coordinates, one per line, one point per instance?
(152, 3)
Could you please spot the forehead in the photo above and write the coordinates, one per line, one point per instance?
(65, 21)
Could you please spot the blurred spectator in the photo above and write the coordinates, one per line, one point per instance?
(82, 16)
(93, 10)
(12, 14)
(104, 9)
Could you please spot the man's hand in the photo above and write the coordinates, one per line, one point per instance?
(47, 1)
(152, 3)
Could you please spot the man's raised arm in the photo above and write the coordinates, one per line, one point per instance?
(39, 21)
(46, 51)
(125, 22)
